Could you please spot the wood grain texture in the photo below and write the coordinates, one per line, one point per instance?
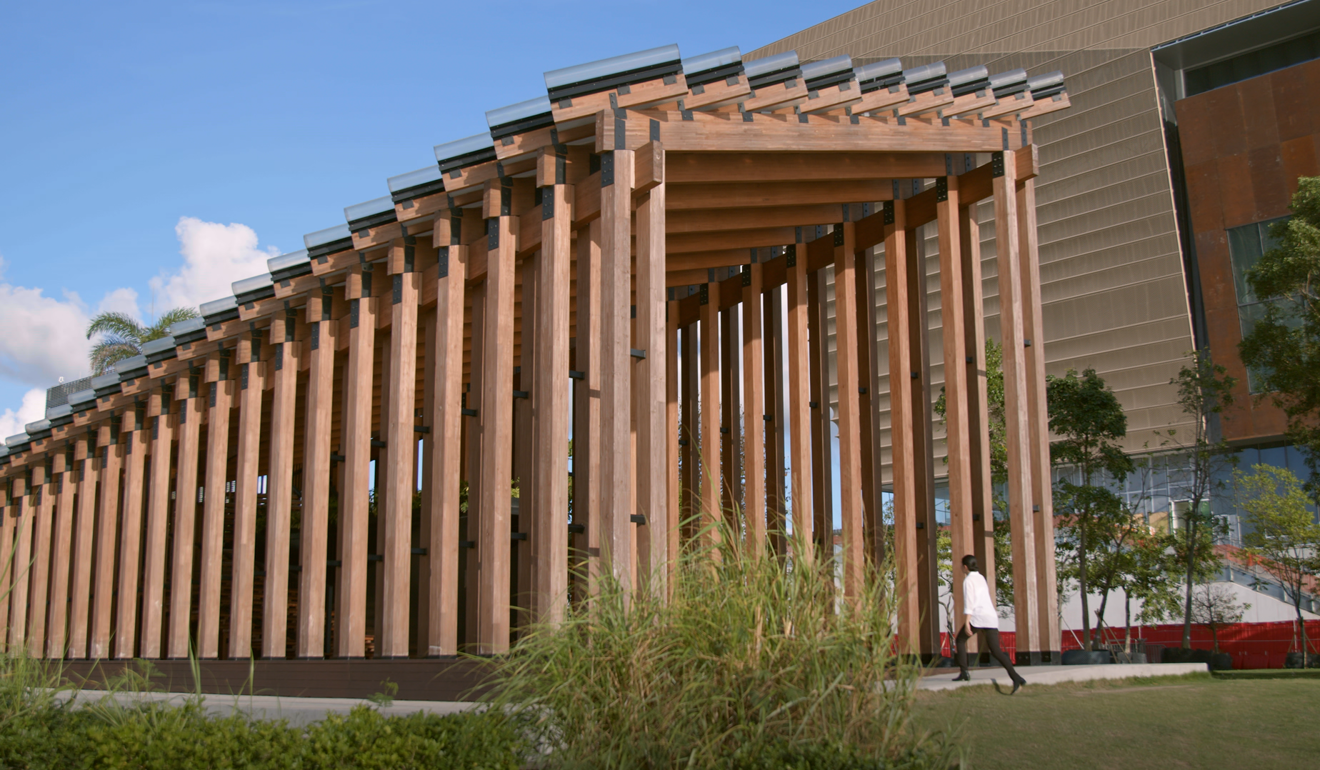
(822, 482)
(652, 373)
(130, 536)
(799, 410)
(901, 421)
(107, 540)
(673, 534)
(444, 456)
(977, 442)
(550, 401)
(753, 426)
(586, 414)
(708, 454)
(400, 449)
(65, 488)
(251, 385)
(158, 512)
(84, 529)
(191, 410)
(21, 560)
(43, 484)
(279, 483)
(354, 499)
(850, 449)
(775, 419)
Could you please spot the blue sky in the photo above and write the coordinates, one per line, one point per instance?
(150, 153)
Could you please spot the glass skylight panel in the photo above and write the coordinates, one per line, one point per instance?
(927, 77)
(969, 81)
(606, 74)
(328, 241)
(373, 213)
(252, 289)
(160, 350)
(709, 67)
(773, 69)
(220, 310)
(416, 184)
(1047, 85)
(1009, 83)
(461, 153)
(520, 118)
(830, 72)
(881, 74)
(290, 265)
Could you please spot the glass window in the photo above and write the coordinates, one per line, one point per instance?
(1252, 64)
(1246, 245)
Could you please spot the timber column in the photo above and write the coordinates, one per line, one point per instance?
(652, 435)
(251, 386)
(191, 388)
(158, 511)
(62, 486)
(799, 406)
(356, 440)
(493, 532)
(279, 485)
(107, 528)
(220, 399)
(43, 484)
(314, 533)
(130, 545)
(901, 370)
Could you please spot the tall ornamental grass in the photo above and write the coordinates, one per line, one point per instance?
(749, 663)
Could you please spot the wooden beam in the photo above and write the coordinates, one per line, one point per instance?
(550, 399)
(497, 429)
(709, 452)
(85, 455)
(956, 410)
(850, 457)
(181, 643)
(754, 505)
(251, 385)
(902, 428)
(107, 529)
(401, 446)
(355, 433)
(445, 379)
(1016, 405)
(733, 168)
(286, 354)
(700, 197)
(652, 373)
(65, 478)
(586, 414)
(158, 512)
(43, 483)
(21, 560)
(616, 363)
(1048, 641)
(314, 532)
(799, 409)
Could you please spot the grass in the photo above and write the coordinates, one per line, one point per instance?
(1166, 722)
(1269, 673)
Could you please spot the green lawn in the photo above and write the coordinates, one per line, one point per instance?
(1167, 722)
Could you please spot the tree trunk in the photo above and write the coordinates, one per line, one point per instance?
(1100, 617)
(1127, 622)
(1081, 586)
(1297, 605)
(1191, 571)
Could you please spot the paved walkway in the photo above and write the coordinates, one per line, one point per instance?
(1056, 674)
(298, 711)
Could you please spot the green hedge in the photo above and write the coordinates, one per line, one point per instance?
(184, 737)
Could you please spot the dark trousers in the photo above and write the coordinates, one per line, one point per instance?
(991, 637)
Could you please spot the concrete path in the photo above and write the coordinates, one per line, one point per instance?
(298, 711)
(1056, 674)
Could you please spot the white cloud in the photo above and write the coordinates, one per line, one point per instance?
(44, 337)
(33, 409)
(214, 256)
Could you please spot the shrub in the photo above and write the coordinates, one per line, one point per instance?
(750, 663)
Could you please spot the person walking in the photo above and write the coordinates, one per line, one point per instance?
(979, 616)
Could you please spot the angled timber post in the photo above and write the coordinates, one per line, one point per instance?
(821, 439)
(220, 399)
(526, 426)
(775, 419)
(285, 355)
(653, 447)
(130, 536)
(850, 382)
(616, 478)
(550, 398)
(1048, 641)
(754, 424)
(956, 418)
(709, 446)
(161, 436)
(158, 511)
(691, 482)
(85, 456)
(251, 386)
(867, 411)
(44, 476)
(730, 414)
(61, 557)
(497, 420)
(21, 566)
(473, 459)
(107, 529)
(923, 456)
(190, 393)
(672, 502)
(1016, 403)
(313, 550)
(981, 476)
(586, 414)
(351, 622)
(799, 407)
(901, 370)
(444, 447)
(400, 447)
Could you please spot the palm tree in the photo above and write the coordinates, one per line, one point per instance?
(124, 337)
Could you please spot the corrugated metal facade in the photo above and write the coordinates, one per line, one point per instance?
(1113, 285)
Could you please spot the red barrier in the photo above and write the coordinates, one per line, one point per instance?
(1252, 645)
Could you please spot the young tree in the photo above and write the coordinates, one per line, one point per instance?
(1283, 348)
(123, 337)
(1087, 417)
(1204, 391)
(1280, 530)
(1214, 607)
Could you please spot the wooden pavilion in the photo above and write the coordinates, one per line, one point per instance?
(321, 466)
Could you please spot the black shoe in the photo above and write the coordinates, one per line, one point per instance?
(1018, 684)
(963, 677)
